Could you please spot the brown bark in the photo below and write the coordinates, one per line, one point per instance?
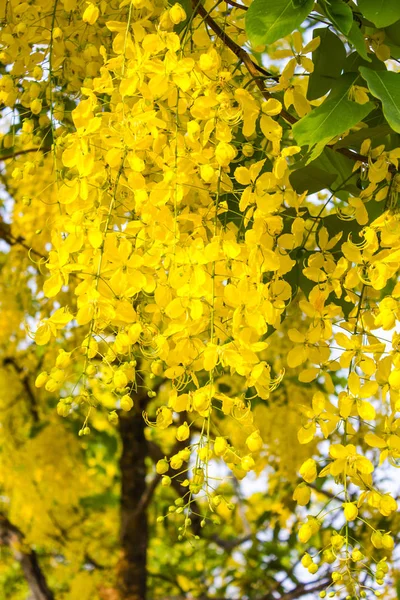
(12, 537)
(132, 568)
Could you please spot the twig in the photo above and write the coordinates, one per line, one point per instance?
(236, 5)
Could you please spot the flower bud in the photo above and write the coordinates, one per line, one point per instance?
(126, 402)
(177, 13)
(247, 463)
(41, 379)
(183, 432)
(305, 533)
(220, 446)
(176, 462)
(376, 539)
(254, 442)
(356, 555)
(350, 511)
(306, 561)
(113, 417)
(387, 542)
(63, 359)
(36, 106)
(162, 466)
(313, 569)
(120, 379)
(308, 470)
(63, 409)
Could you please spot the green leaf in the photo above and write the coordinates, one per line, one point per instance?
(377, 134)
(393, 33)
(335, 162)
(295, 278)
(329, 168)
(381, 12)
(311, 178)
(356, 38)
(386, 87)
(298, 3)
(392, 39)
(354, 61)
(333, 117)
(270, 20)
(328, 61)
(340, 14)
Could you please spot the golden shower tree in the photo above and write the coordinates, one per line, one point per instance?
(199, 361)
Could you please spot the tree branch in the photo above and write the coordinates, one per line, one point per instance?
(147, 496)
(20, 152)
(11, 240)
(302, 589)
(12, 537)
(236, 5)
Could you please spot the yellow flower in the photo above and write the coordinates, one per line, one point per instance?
(357, 396)
(358, 94)
(298, 51)
(347, 461)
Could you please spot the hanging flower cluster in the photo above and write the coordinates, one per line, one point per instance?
(175, 246)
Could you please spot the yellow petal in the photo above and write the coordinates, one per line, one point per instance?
(365, 410)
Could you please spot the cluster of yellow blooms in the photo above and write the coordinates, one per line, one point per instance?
(170, 229)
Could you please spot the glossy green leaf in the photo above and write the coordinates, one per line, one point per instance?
(333, 117)
(328, 60)
(381, 12)
(340, 14)
(386, 87)
(270, 20)
(356, 38)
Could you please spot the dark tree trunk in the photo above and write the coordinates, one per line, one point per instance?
(132, 568)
